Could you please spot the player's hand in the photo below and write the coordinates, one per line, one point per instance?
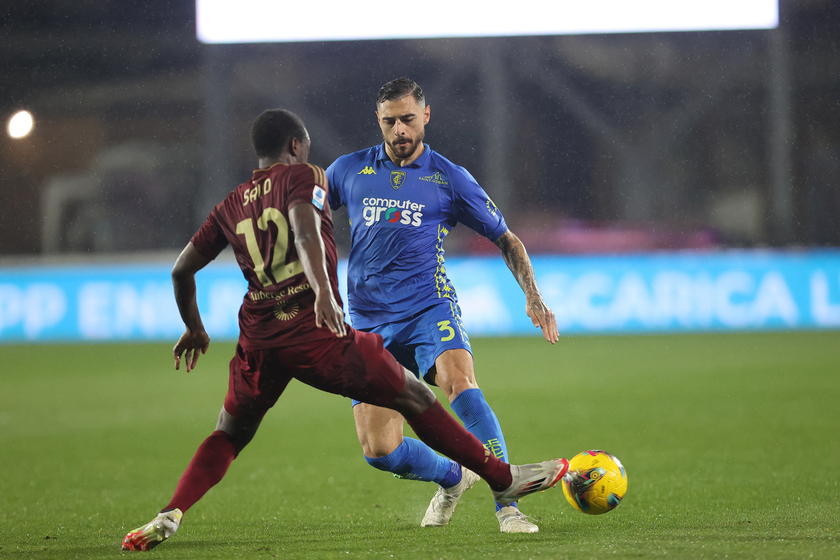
(543, 317)
(191, 343)
(329, 314)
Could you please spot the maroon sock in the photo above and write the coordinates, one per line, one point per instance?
(207, 468)
(444, 434)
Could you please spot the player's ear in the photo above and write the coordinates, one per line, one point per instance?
(427, 114)
(294, 147)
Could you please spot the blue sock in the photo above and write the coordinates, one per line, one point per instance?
(480, 421)
(414, 460)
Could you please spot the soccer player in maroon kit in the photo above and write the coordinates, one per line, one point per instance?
(279, 225)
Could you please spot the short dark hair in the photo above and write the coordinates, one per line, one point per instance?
(399, 88)
(274, 130)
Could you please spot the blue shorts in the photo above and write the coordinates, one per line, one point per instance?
(416, 342)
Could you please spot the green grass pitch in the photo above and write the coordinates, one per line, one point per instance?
(731, 444)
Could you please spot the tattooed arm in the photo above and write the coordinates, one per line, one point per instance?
(519, 264)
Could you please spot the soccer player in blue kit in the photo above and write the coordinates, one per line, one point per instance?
(403, 199)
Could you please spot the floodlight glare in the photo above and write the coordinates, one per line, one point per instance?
(266, 21)
(20, 124)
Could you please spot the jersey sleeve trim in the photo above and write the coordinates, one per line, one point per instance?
(308, 184)
(319, 175)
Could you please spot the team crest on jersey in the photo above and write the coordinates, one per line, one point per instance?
(397, 179)
(436, 178)
(491, 207)
(285, 310)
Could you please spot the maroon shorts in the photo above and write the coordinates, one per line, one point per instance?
(356, 366)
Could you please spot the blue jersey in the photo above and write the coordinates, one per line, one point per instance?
(399, 217)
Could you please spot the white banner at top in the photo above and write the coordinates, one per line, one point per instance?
(268, 21)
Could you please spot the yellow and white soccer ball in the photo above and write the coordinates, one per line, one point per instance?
(595, 483)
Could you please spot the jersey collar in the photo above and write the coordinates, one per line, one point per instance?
(382, 155)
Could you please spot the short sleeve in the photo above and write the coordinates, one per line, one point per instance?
(474, 208)
(210, 240)
(336, 185)
(308, 183)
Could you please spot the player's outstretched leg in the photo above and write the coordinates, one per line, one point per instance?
(153, 533)
(480, 420)
(508, 482)
(443, 433)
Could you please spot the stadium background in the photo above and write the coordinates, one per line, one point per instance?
(667, 183)
(645, 143)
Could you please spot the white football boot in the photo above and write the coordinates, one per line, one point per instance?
(528, 479)
(153, 533)
(511, 520)
(444, 501)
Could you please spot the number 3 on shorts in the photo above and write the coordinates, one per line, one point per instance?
(443, 326)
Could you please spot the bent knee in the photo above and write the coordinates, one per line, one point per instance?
(239, 431)
(454, 383)
(376, 448)
(419, 393)
(414, 399)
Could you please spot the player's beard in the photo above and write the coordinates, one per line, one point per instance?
(405, 151)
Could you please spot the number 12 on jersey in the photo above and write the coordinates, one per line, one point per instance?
(279, 269)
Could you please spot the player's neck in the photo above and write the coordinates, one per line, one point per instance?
(286, 159)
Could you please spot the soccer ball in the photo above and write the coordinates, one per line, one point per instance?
(595, 483)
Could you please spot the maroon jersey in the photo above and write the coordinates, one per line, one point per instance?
(278, 309)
